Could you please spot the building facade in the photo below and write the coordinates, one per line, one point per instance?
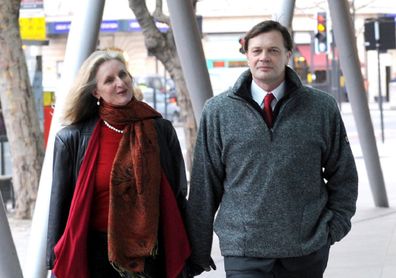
(223, 23)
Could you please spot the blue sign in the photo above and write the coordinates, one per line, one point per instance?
(60, 27)
(32, 4)
(108, 26)
(133, 26)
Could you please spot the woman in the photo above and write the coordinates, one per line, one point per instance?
(119, 185)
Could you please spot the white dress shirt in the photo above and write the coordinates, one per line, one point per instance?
(258, 94)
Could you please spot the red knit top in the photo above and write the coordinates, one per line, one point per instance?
(108, 145)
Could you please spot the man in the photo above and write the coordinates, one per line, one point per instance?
(284, 179)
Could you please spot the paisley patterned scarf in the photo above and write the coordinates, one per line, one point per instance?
(134, 186)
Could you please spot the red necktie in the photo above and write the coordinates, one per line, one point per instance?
(268, 109)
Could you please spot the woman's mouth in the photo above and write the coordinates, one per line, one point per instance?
(122, 92)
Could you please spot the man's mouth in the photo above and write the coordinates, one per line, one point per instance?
(264, 68)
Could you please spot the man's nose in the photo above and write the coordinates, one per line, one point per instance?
(264, 55)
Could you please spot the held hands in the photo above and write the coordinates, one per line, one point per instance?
(194, 269)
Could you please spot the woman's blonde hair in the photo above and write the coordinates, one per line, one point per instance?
(80, 104)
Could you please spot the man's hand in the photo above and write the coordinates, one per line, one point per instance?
(194, 269)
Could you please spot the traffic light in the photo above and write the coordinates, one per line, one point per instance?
(379, 33)
(242, 45)
(321, 32)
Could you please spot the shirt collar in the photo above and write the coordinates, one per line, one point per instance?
(258, 94)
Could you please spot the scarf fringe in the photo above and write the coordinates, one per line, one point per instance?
(125, 274)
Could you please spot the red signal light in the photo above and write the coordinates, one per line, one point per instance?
(321, 18)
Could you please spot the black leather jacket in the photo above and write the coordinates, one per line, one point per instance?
(70, 146)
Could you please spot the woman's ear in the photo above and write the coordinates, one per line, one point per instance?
(95, 94)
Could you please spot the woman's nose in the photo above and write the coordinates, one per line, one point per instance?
(119, 81)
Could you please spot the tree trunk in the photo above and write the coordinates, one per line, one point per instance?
(20, 115)
(162, 46)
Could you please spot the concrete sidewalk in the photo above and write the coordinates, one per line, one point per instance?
(369, 250)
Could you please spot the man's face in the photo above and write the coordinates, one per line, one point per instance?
(267, 58)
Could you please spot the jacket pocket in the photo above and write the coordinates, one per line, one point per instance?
(315, 227)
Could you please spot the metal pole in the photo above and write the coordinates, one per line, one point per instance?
(377, 43)
(166, 95)
(81, 42)
(2, 160)
(192, 58)
(312, 53)
(346, 42)
(9, 263)
(284, 13)
(334, 74)
(380, 95)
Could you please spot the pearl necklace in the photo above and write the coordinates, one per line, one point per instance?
(113, 128)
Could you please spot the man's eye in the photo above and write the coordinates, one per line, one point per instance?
(274, 51)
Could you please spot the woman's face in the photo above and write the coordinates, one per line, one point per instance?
(113, 83)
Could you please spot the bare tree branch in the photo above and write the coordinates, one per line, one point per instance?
(154, 39)
(159, 13)
(162, 46)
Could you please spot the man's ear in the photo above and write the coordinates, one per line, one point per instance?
(289, 54)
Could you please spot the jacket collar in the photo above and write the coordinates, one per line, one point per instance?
(241, 87)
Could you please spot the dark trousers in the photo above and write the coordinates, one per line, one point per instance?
(310, 266)
(98, 262)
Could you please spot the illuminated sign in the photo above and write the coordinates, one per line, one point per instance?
(110, 26)
(32, 28)
(32, 20)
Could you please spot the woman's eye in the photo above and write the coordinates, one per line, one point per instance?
(108, 80)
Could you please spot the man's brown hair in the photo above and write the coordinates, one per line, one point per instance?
(268, 26)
